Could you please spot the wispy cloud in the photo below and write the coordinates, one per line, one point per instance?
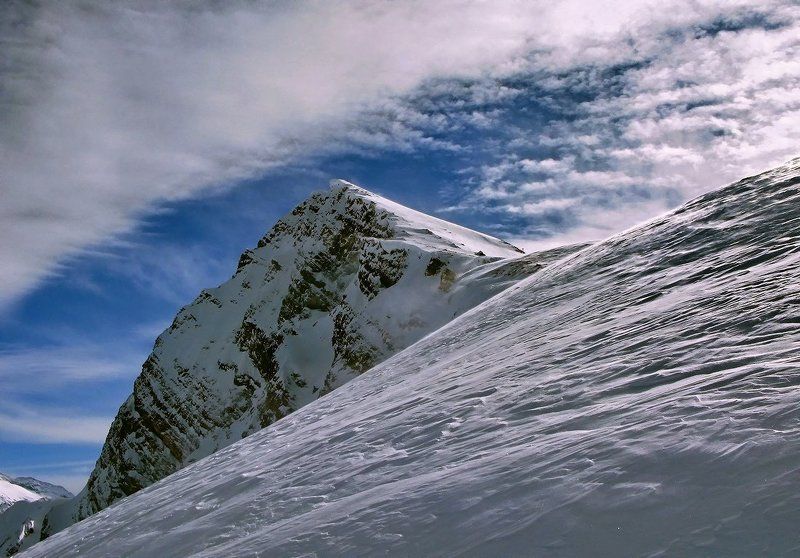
(25, 370)
(109, 108)
(34, 425)
(59, 393)
(663, 110)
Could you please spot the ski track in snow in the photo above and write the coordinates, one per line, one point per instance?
(637, 398)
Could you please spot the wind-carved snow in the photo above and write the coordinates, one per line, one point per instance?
(637, 398)
(345, 280)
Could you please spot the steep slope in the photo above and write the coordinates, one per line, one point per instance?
(308, 309)
(639, 398)
(344, 281)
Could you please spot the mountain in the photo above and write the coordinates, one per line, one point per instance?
(46, 490)
(11, 492)
(639, 397)
(18, 497)
(27, 489)
(347, 279)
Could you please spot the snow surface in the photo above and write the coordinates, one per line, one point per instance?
(636, 398)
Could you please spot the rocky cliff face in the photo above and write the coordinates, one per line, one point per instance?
(638, 398)
(344, 281)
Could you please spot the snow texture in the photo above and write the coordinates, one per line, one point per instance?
(636, 398)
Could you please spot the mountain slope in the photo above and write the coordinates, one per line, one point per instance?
(27, 489)
(308, 309)
(44, 489)
(639, 397)
(344, 281)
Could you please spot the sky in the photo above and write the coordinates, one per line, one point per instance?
(144, 145)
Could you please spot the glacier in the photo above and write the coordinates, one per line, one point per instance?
(638, 396)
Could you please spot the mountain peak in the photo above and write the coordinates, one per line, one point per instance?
(338, 184)
(426, 230)
(345, 280)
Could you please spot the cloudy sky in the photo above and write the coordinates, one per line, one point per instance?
(144, 145)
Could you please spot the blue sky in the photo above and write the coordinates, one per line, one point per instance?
(143, 147)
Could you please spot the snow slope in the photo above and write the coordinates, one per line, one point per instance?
(325, 295)
(47, 490)
(637, 398)
(27, 489)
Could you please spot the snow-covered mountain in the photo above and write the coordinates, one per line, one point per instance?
(19, 496)
(46, 490)
(639, 397)
(11, 492)
(344, 281)
(308, 309)
(27, 489)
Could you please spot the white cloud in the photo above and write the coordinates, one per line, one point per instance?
(64, 426)
(31, 377)
(676, 106)
(44, 369)
(109, 108)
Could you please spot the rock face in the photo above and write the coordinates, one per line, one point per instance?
(345, 280)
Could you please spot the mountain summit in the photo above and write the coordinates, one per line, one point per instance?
(323, 297)
(344, 281)
(637, 397)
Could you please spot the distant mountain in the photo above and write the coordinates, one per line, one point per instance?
(639, 397)
(45, 489)
(344, 281)
(11, 492)
(18, 497)
(15, 489)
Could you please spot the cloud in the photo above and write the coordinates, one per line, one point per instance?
(30, 379)
(647, 118)
(57, 426)
(44, 369)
